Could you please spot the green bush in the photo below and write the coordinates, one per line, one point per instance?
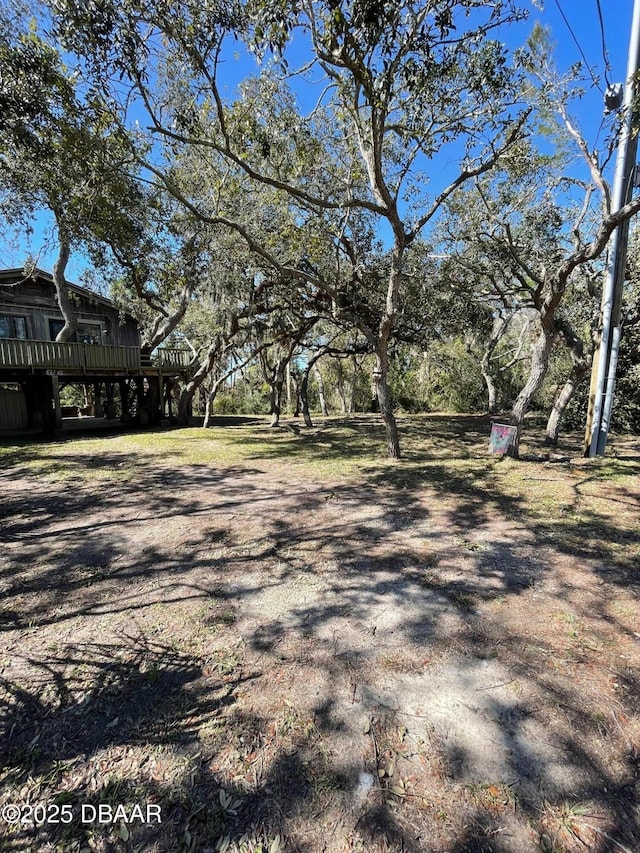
(226, 404)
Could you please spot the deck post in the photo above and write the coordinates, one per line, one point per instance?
(142, 413)
(123, 386)
(98, 405)
(154, 400)
(168, 390)
(110, 403)
(43, 403)
(57, 409)
(34, 413)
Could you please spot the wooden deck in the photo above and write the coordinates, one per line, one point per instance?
(179, 359)
(85, 358)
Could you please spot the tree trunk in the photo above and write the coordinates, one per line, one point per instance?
(189, 390)
(277, 384)
(276, 404)
(211, 397)
(304, 388)
(348, 396)
(538, 370)
(304, 396)
(343, 401)
(354, 382)
(340, 386)
(384, 401)
(321, 395)
(295, 381)
(163, 326)
(385, 328)
(287, 374)
(70, 327)
(563, 399)
(540, 353)
(499, 325)
(492, 396)
(566, 393)
(184, 404)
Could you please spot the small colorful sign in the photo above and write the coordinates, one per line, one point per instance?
(503, 436)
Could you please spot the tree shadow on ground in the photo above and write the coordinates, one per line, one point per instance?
(414, 564)
(138, 723)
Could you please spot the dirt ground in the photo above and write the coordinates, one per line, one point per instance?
(437, 655)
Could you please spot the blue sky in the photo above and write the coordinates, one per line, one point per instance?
(582, 17)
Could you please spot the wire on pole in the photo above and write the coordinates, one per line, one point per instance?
(596, 82)
(605, 52)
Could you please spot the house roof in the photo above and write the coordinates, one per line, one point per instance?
(13, 277)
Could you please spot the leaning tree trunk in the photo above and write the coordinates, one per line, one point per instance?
(70, 327)
(206, 366)
(492, 394)
(165, 324)
(211, 398)
(566, 393)
(563, 399)
(540, 353)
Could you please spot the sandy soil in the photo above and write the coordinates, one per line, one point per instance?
(288, 664)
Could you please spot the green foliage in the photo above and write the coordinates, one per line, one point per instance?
(227, 403)
(347, 383)
(59, 151)
(445, 377)
(262, 226)
(72, 395)
(453, 378)
(626, 408)
(248, 395)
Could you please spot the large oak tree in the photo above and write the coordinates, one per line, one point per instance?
(402, 84)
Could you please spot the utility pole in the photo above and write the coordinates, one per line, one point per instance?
(605, 358)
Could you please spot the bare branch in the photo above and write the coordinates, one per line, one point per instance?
(466, 174)
(591, 160)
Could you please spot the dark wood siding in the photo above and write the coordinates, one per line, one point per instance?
(36, 301)
(13, 407)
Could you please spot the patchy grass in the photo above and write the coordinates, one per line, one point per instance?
(286, 642)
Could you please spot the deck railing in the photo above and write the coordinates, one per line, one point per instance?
(179, 358)
(51, 355)
(67, 356)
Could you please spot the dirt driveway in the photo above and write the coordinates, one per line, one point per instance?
(441, 655)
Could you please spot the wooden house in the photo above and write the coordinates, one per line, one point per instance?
(29, 311)
(104, 356)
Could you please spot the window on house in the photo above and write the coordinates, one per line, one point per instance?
(13, 327)
(55, 327)
(89, 334)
